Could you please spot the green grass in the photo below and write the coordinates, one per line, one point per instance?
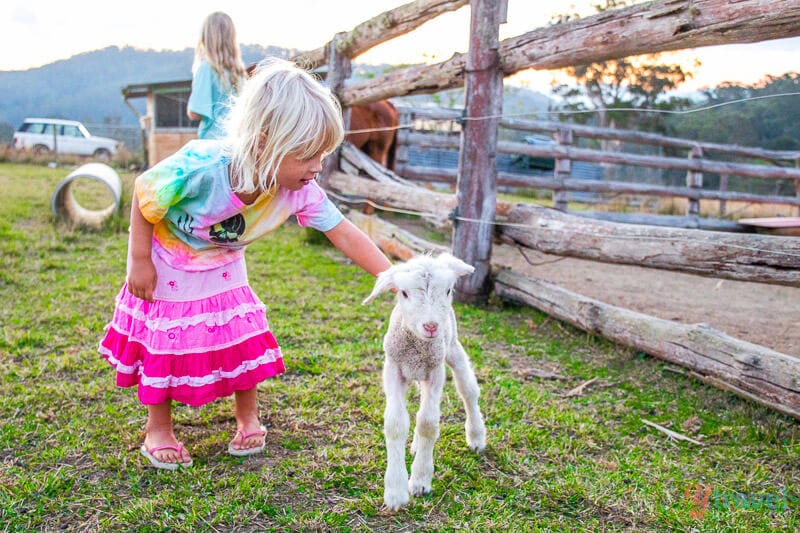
(69, 438)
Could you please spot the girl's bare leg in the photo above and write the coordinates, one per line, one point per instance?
(247, 420)
(159, 432)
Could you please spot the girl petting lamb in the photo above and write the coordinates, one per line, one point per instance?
(187, 326)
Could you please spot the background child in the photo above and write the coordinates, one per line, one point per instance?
(217, 74)
(187, 326)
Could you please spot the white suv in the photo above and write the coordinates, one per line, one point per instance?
(42, 135)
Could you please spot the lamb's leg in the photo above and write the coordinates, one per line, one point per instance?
(395, 430)
(467, 387)
(426, 432)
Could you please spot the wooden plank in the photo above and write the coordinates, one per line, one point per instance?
(748, 257)
(785, 226)
(379, 29)
(749, 370)
(651, 161)
(418, 199)
(640, 137)
(759, 258)
(771, 222)
(650, 27)
(448, 175)
(393, 240)
(363, 163)
(165, 143)
(589, 155)
(669, 221)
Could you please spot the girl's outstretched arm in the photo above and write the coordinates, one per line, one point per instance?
(141, 271)
(355, 244)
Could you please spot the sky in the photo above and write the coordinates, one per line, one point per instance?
(45, 31)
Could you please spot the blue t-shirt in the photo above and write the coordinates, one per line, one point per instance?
(209, 100)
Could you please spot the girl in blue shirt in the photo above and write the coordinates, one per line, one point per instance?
(217, 74)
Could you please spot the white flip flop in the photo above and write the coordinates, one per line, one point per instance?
(148, 453)
(241, 452)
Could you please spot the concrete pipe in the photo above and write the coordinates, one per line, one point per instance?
(65, 206)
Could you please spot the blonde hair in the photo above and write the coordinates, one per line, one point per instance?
(281, 110)
(218, 46)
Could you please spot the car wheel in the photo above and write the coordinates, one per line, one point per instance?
(102, 154)
(40, 149)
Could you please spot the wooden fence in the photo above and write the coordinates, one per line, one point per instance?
(755, 372)
(699, 160)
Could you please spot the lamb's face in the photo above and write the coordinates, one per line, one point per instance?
(424, 299)
(424, 287)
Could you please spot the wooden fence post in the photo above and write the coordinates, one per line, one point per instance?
(476, 188)
(339, 70)
(723, 187)
(694, 180)
(404, 119)
(797, 185)
(562, 169)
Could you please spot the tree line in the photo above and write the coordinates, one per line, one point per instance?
(639, 93)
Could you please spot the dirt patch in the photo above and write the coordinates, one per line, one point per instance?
(763, 314)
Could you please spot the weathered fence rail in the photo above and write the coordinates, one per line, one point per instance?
(758, 258)
(380, 29)
(697, 162)
(649, 27)
(768, 377)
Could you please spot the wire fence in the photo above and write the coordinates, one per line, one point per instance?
(130, 136)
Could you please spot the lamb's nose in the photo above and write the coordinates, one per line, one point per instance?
(430, 328)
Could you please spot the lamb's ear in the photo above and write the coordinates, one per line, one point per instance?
(384, 282)
(459, 267)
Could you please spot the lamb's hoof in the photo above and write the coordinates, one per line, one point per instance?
(477, 444)
(417, 488)
(394, 499)
(476, 436)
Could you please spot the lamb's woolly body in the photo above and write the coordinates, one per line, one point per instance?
(422, 337)
(414, 356)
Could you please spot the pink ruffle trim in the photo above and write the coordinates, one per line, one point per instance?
(207, 349)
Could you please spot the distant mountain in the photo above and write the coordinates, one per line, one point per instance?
(87, 87)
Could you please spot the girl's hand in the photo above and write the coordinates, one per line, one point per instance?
(142, 278)
(142, 275)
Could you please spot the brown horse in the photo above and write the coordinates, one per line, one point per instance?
(373, 130)
(380, 117)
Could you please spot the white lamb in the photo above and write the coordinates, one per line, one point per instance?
(421, 338)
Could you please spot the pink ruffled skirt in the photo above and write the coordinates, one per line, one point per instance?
(203, 337)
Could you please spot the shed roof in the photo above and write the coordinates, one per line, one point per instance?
(141, 90)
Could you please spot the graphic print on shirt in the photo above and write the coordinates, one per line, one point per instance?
(228, 230)
(185, 223)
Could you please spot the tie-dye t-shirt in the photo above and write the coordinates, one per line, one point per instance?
(200, 223)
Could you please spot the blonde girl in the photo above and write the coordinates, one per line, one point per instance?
(217, 74)
(187, 326)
